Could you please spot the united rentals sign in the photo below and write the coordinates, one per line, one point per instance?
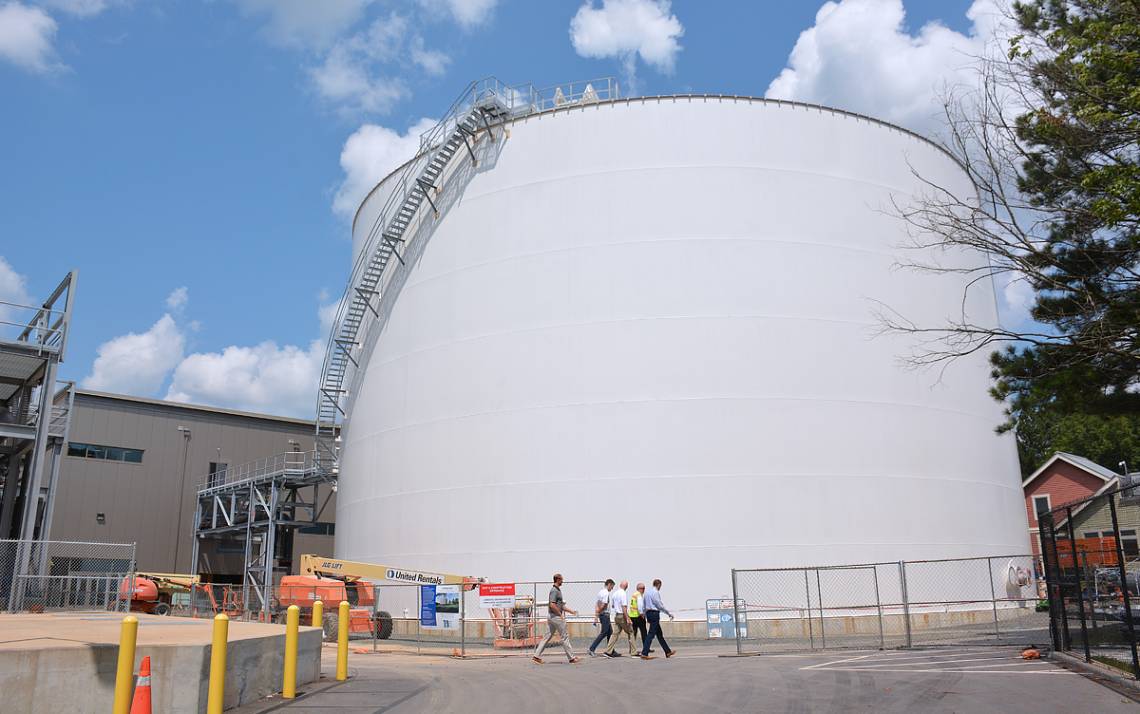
(412, 576)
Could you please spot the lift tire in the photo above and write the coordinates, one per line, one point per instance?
(383, 625)
(162, 608)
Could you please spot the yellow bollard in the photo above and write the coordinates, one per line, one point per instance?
(318, 614)
(125, 674)
(292, 621)
(342, 643)
(217, 691)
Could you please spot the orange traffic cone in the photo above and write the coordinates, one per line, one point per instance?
(141, 703)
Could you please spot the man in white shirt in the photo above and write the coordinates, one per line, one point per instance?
(619, 608)
(602, 614)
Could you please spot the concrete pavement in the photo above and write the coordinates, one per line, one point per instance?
(941, 680)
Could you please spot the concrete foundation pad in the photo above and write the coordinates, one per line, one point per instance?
(67, 661)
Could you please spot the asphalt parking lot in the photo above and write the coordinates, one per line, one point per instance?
(993, 679)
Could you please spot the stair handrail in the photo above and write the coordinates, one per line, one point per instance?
(518, 100)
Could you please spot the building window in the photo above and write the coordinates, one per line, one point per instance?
(106, 453)
(320, 528)
(1091, 534)
(1129, 544)
(1041, 504)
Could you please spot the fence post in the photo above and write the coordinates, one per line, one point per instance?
(1080, 589)
(1123, 586)
(822, 624)
(993, 596)
(736, 612)
(905, 600)
(462, 620)
(1085, 569)
(1054, 584)
(878, 606)
(807, 594)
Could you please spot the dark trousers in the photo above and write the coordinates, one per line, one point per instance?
(654, 618)
(638, 626)
(605, 633)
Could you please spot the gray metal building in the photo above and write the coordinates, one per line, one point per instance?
(132, 468)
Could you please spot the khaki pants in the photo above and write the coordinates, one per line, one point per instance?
(621, 624)
(556, 624)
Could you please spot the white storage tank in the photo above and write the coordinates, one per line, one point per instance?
(642, 343)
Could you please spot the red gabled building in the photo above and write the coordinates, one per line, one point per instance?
(1062, 479)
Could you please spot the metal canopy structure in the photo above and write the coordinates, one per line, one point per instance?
(34, 410)
(260, 505)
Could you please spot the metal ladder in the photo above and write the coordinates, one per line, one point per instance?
(483, 105)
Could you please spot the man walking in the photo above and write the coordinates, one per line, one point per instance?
(653, 609)
(637, 613)
(556, 622)
(602, 614)
(619, 609)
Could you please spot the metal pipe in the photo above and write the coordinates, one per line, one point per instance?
(807, 594)
(822, 624)
(878, 606)
(905, 600)
(993, 595)
(735, 612)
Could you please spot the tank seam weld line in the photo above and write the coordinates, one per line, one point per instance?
(563, 405)
(671, 477)
(676, 167)
(612, 321)
(679, 546)
(593, 247)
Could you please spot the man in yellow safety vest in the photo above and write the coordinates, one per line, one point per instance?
(636, 616)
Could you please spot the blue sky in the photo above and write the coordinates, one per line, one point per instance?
(186, 156)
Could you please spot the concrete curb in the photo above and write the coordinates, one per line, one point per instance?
(275, 702)
(1099, 672)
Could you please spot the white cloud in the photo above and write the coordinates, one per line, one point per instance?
(13, 289)
(355, 73)
(433, 62)
(78, 8)
(178, 298)
(27, 35)
(628, 29)
(345, 79)
(305, 23)
(369, 155)
(138, 363)
(467, 13)
(265, 378)
(859, 56)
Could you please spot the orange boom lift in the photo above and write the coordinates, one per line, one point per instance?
(331, 581)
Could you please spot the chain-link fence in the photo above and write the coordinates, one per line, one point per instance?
(969, 601)
(38, 576)
(1091, 559)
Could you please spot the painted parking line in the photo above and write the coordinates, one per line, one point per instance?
(942, 670)
(939, 662)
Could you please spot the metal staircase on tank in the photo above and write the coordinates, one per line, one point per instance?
(482, 107)
(478, 109)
